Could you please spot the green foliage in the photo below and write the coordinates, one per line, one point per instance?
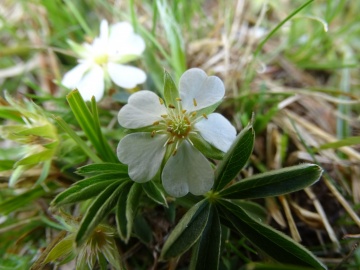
(235, 159)
(274, 183)
(277, 245)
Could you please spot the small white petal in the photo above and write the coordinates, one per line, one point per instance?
(72, 78)
(92, 84)
(217, 130)
(143, 109)
(187, 171)
(195, 85)
(126, 76)
(123, 40)
(143, 154)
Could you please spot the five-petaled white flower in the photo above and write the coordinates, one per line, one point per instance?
(168, 133)
(105, 58)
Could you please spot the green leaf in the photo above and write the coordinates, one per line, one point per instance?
(340, 143)
(207, 250)
(126, 210)
(187, 231)
(87, 188)
(36, 158)
(154, 192)
(236, 158)
(171, 93)
(143, 230)
(274, 243)
(62, 249)
(254, 210)
(98, 168)
(120, 212)
(274, 183)
(96, 212)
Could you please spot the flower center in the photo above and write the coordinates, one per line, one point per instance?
(179, 126)
(101, 59)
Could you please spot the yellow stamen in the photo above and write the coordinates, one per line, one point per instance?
(164, 115)
(153, 133)
(183, 111)
(205, 116)
(194, 101)
(178, 99)
(156, 123)
(161, 101)
(171, 106)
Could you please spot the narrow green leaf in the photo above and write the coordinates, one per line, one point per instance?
(154, 193)
(76, 189)
(120, 213)
(126, 210)
(62, 249)
(77, 194)
(340, 143)
(100, 207)
(207, 250)
(274, 243)
(36, 158)
(236, 158)
(143, 230)
(187, 231)
(274, 183)
(206, 148)
(97, 168)
(132, 204)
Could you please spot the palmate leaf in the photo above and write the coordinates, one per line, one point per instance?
(127, 205)
(187, 231)
(100, 207)
(274, 243)
(274, 183)
(235, 159)
(207, 250)
(87, 188)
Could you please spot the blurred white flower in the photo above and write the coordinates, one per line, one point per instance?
(105, 58)
(170, 134)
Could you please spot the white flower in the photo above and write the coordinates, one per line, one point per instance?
(104, 58)
(167, 132)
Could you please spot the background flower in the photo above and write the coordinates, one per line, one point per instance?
(105, 58)
(174, 132)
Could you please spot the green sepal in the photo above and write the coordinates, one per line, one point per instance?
(171, 93)
(274, 183)
(274, 243)
(236, 158)
(100, 207)
(206, 253)
(154, 192)
(127, 205)
(206, 148)
(187, 231)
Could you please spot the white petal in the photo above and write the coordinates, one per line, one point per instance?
(92, 84)
(72, 78)
(187, 171)
(143, 154)
(217, 130)
(143, 109)
(104, 30)
(195, 84)
(124, 41)
(126, 76)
